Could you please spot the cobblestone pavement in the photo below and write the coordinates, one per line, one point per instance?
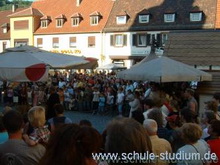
(99, 122)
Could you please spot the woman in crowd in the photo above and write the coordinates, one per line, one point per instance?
(125, 135)
(191, 134)
(72, 144)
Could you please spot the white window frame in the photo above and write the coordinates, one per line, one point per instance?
(144, 18)
(144, 43)
(164, 38)
(119, 40)
(196, 17)
(43, 23)
(121, 19)
(75, 21)
(5, 30)
(94, 20)
(169, 17)
(59, 22)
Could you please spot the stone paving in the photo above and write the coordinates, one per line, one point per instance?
(99, 122)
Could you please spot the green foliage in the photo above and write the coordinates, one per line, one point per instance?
(7, 5)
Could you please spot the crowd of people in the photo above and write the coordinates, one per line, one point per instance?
(147, 118)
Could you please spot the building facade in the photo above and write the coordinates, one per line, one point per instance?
(119, 31)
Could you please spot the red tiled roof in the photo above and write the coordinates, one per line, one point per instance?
(76, 15)
(157, 9)
(45, 17)
(96, 13)
(27, 12)
(6, 20)
(61, 16)
(68, 7)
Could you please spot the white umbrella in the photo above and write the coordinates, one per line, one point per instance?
(111, 67)
(28, 63)
(163, 69)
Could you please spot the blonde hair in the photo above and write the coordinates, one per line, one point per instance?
(36, 116)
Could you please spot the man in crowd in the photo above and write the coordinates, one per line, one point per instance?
(15, 147)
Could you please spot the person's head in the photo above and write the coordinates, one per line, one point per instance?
(188, 116)
(208, 116)
(125, 135)
(6, 109)
(212, 105)
(59, 109)
(156, 115)
(189, 92)
(148, 104)
(214, 129)
(36, 116)
(13, 122)
(138, 116)
(216, 97)
(151, 126)
(85, 123)
(70, 144)
(191, 132)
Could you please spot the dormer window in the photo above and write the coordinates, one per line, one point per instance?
(121, 19)
(169, 17)
(45, 20)
(44, 23)
(144, 18)
(95, 18)
(5, 27)
(196, 16)
(60, 20)
(76, 19)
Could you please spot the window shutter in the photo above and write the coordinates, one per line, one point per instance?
(91, 41)
(134, 40)
(112, 40)
(125, 40)
(72, 39)
(21, 24)
(56, 40)
(39, 41)
(159, 40)
(148, 39)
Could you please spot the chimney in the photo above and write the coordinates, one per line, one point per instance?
(78, 2)
(14, 7)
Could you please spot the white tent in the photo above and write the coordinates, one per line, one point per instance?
(111, 67)
(28, 63)
(163, 69)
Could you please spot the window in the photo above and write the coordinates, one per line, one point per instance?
(196, 17)
(118, 40)
(20, 42)
(169, 17)
(164, 38)
(21, 25)
(75, 21)
(44, 23)
(91, 41)
(94, 20)
(144, 18)
(72, 42)
(141, 40)
(39, 42)
(56, 42)
(59, 22)
(5, 30)
(121, 19)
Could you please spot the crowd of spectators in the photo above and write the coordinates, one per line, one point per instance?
(147, 118)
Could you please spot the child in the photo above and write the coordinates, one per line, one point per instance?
(40, 133)
(101, 107)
